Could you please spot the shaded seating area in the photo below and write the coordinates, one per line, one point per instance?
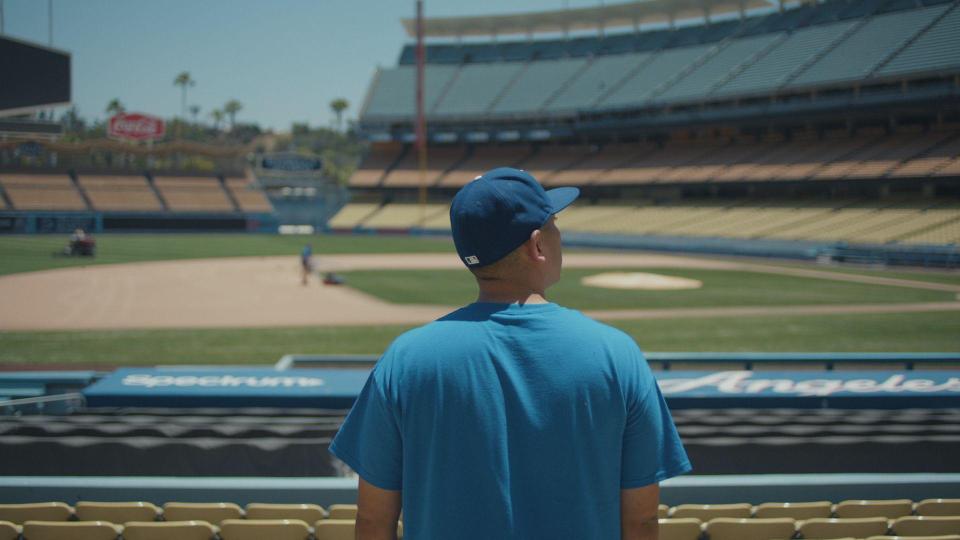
(42, 192)
(193, 194)
(120, 193)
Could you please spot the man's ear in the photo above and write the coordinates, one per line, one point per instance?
(535, 246)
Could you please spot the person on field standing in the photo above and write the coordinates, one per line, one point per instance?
(306, 263)
(512, 417)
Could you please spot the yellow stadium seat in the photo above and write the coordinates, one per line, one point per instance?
(926, 525)
(334, 529)
(796, 510)
(166, 530)
(941, 537)
(45, 511)
(706, 512)
(680, 529)
(889, 509)
(116, 512)
(259, 529)
(70, 530)
(343, 511)
(838, 528)
(209, 512)
(750, 529)
(938, 507)
(9, 531)
(663, 511)
(306, 512)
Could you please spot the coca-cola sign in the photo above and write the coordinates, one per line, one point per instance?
(136, 126)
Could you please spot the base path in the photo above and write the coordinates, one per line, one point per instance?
(266, 292)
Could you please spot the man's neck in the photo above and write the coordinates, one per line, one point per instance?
(512, 297)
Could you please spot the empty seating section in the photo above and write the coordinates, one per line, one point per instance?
(936, 49)
(130, 193)
(533, 87)
(550, 159)
(373, 167)
(780, 63)
(735, 56)
(801, 48)
(193, 194)
(879, 520)
(352, 215)
(592, 168)
(393, 92)
(405, 216)
(439, 159)
(248, 196)
(482, 159)
(475, 88)
(871, 45)
(42, 192)
(654, 76)
(599, 77)
(407, 171)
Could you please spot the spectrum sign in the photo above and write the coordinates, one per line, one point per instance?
(136, 127)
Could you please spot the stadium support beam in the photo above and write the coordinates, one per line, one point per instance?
(421, 117)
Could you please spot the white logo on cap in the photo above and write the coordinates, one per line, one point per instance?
(472, 259)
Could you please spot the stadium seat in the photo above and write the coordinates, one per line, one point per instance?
(838, 528)
(70, 530)
(663, 511)
(938, 507)
(306, 512)
(116, 512)
(258, 529)
(938, 537)
(9, 531)
(706, 512)
(45, 511)
(209, 512)
(750, 529)
(798, 510)
(165, 530)
(334, 529)
(889, 509)
(926, 525)
(343, 511)
(680, 529)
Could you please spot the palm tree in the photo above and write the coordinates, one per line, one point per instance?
(183, 80)
(194, 111)
(217, 115)
(115, 106)
(338, 106)
(231, 108)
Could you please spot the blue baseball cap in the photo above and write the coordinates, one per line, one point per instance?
(495, 214)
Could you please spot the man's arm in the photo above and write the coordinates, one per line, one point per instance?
(638, 513)
(377, 513)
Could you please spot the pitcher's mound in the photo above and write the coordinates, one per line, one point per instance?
(640, 280)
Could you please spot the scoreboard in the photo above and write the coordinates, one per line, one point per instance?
(32, 76)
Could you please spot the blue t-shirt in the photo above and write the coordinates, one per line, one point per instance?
(511, 421)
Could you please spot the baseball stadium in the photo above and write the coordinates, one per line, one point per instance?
(770, 208)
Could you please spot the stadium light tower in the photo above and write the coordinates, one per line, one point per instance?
(421, 130)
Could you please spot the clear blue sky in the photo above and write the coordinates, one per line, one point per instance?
(284, 60)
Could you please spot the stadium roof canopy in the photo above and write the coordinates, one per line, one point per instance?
(589, 18)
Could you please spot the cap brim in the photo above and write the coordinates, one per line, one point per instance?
(561, 197)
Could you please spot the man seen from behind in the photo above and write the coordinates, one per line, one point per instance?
(512, 417)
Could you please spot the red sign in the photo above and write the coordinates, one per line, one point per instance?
(136, 126)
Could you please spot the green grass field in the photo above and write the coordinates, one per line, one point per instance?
(720, 288)
(40, 252)
(840, 333)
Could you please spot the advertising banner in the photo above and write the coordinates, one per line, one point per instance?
(136, 127)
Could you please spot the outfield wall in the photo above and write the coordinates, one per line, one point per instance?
(100, 222)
